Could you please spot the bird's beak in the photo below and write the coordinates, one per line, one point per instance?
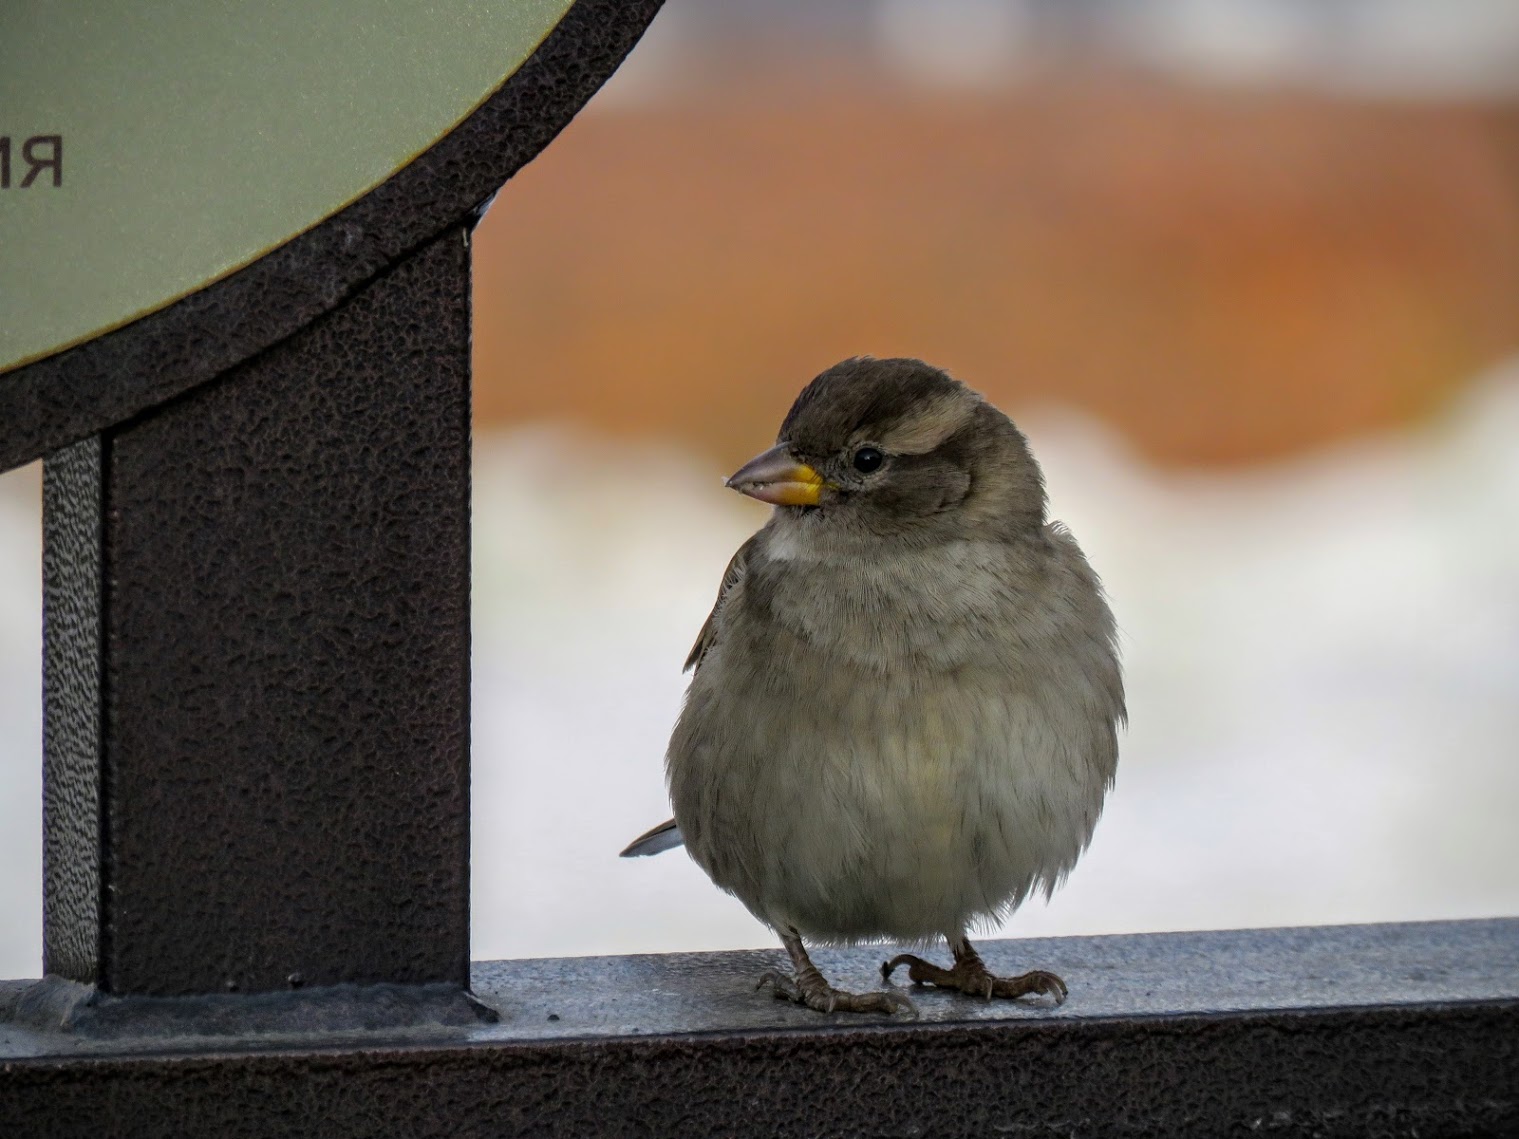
(776, 477)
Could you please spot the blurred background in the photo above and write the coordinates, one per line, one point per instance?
(1245, 271)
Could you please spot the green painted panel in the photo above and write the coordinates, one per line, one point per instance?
(199, 134)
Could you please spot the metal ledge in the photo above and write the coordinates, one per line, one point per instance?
(1351, 1030)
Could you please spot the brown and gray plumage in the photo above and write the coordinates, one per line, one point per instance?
(904, 713)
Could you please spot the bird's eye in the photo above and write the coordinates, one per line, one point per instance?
(867, 459)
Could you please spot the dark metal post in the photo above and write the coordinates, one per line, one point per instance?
(257, 664)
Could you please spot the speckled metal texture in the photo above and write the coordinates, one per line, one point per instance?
(1407, 1030)
(72, 524)
(79, 392)
(284, 600)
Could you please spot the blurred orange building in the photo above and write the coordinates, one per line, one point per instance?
(1223, 276)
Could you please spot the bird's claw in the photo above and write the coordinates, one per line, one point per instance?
(783, 984)
(970, 976)
(1038, 982)
(823, 997)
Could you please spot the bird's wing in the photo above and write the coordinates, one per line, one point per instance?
(731, 577)
(666, 836)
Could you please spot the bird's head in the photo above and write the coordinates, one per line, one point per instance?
(898, 447)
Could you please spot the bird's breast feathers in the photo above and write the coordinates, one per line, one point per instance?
(916, 611)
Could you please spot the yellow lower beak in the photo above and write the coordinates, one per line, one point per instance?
(777, 477)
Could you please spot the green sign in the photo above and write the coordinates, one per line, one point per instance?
(148, 149)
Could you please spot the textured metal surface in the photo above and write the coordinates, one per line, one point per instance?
(79, 392)
(72, 522)
(285, 609)
(1140, 975)
(1382, 1030)
(1133, 976)
(84, 1018)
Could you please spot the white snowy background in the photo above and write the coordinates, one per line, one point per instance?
(1322, 657)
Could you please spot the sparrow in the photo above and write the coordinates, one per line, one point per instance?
(903, 716)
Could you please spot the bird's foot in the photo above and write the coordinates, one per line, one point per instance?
(971, 976)
(810, 988)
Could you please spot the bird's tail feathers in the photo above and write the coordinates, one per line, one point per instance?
(666, 836)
